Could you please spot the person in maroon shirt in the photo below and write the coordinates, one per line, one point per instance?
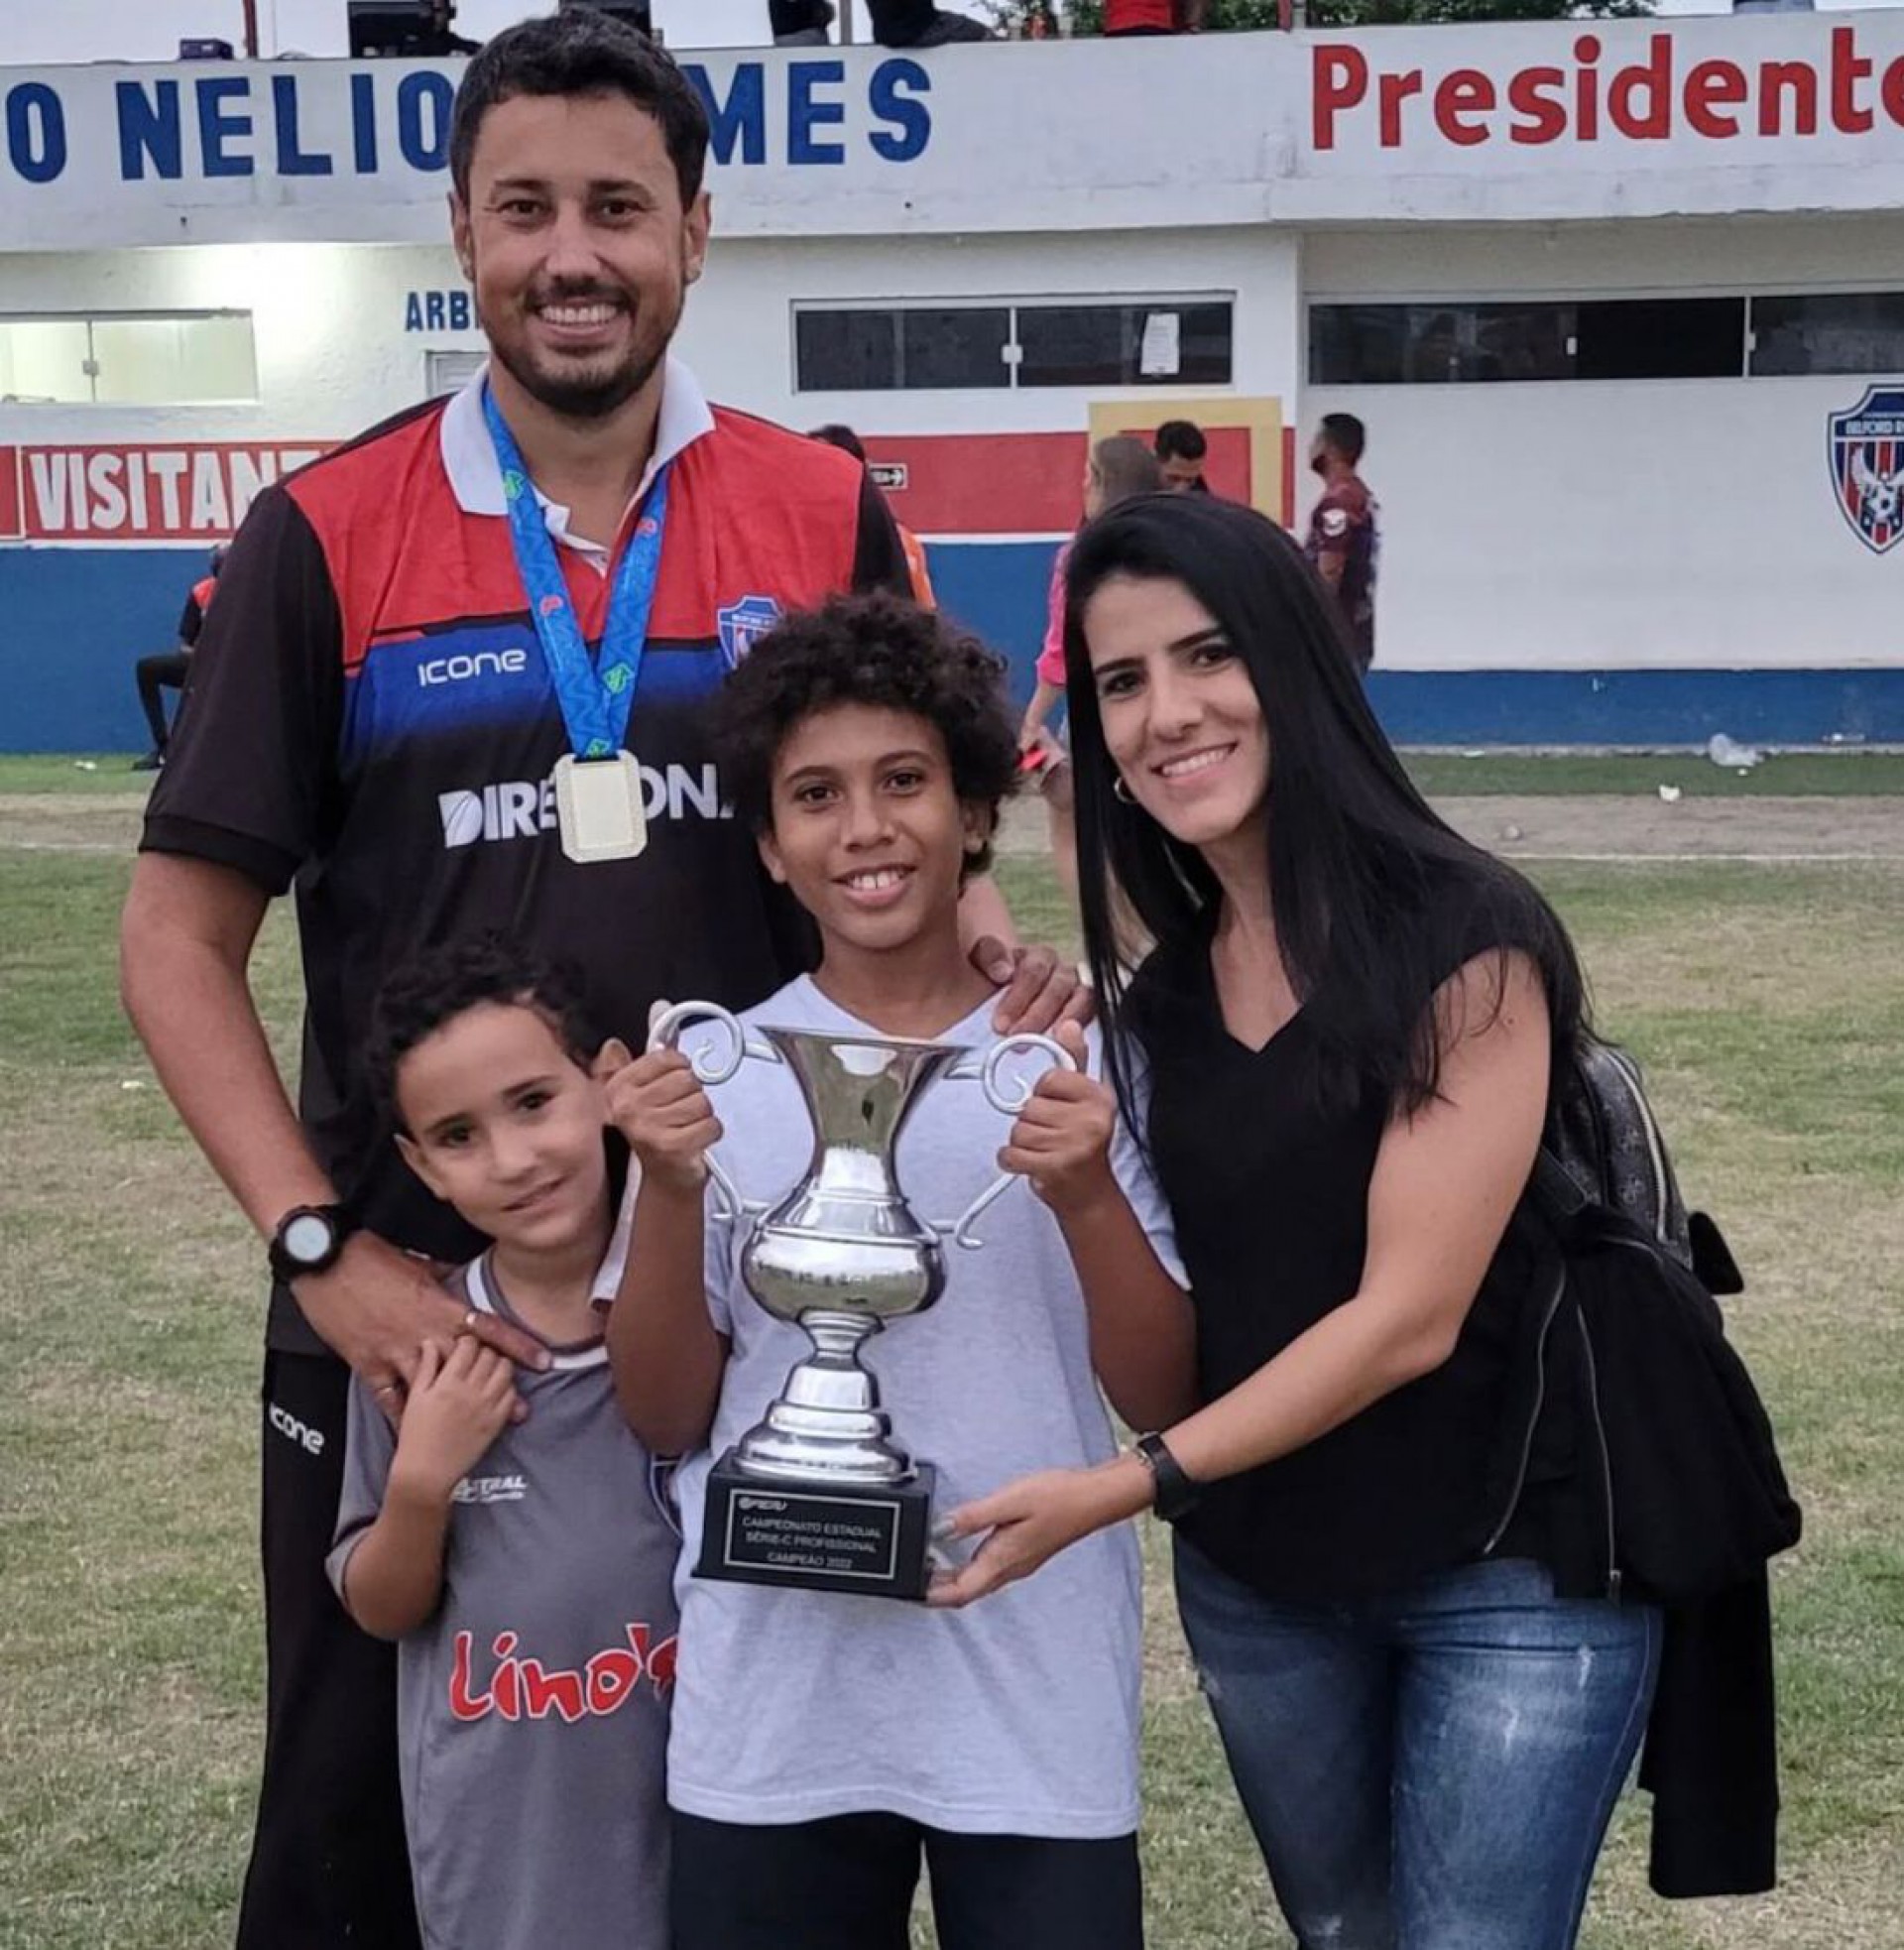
(1344, 536)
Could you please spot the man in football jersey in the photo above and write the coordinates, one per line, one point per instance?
(1344, 539)
(455, 680)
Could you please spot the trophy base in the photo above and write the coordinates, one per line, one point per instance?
(872, 1539)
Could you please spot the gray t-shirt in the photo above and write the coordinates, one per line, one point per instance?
(533, 1707)
(1018, 1715)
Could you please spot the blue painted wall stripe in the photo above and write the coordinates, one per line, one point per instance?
(73, 621)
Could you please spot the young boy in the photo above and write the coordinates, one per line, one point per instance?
(524, 1564)
(824, 1742)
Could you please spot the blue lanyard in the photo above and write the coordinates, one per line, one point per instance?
(596, 693)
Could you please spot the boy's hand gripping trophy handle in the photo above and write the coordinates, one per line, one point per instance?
(712, 1065)
(1007, 1096)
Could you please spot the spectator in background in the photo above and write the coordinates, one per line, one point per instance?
(170, 671)
(801, 23)
(1126, 19)
(919, 24)
(1181, 449)
(1117, 470)
(1344, 540)
(848, 441)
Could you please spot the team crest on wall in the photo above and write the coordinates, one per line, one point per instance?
(1867, 451)
(743, 624)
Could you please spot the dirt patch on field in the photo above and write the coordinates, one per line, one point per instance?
(64, 822)
(1602, 827)
(1615, 828)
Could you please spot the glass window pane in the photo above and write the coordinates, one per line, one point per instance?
(44, 360)
(162, 361)
(1358, 344)
(1438, 345)
(1158, 343)
(955, 347)
(845, 351)
(1829, 331)
(877, 351)
(1662, 338)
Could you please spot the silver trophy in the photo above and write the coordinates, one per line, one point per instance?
(820, 1494)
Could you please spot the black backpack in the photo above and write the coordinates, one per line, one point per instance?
(1627, 1348)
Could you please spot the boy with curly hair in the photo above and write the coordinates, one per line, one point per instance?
(824, 1742)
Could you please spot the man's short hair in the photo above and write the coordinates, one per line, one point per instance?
(1181, 439)
(580, 52)
(1125, 466)
(1345, 433)
(843, 437)
(875, 649)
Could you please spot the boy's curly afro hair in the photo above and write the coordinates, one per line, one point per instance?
(877, 649)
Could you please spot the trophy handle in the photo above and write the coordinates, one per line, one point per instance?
(709, 1068)
(1010, 1102)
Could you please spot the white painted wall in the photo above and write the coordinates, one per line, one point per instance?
(1665, 523)
(333, 355)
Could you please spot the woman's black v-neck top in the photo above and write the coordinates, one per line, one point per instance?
(1270, 1198)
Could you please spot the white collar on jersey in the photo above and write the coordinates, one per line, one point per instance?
(560, 1362)
(469, 455)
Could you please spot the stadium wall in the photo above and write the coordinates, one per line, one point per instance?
(1564, 561)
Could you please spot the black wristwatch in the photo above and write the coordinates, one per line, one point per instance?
(309, 1238)
(1175, 1493)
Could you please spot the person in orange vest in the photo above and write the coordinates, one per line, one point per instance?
(848, 441)
(170, 671)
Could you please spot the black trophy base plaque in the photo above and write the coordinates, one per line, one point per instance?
(870, 1538)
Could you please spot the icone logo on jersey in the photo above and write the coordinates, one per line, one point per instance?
(1865, 445)
(467, 665)
(524, 1689)
(743, 624)
(522, 808)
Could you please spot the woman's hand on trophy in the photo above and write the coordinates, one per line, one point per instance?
(1029, 1521)
(1061, 1140)
(663, 1109)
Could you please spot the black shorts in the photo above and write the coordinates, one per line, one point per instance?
(847, 1883)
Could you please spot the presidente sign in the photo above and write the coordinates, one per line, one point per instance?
(1589, 94)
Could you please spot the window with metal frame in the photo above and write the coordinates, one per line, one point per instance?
(1099, 344)
(1828, 331)
(1469, 342)
(142, 359)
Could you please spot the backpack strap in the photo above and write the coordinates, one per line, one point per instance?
(1556, 1194)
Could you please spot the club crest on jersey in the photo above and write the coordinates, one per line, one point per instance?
(743, 624)
(1866, 447)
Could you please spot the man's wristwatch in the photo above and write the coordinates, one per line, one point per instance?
(309, 1238)
(1175, 1494)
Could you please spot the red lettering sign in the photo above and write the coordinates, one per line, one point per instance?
(1649, 99)
(192, 492)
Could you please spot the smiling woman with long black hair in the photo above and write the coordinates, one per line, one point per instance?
(1341, 1046)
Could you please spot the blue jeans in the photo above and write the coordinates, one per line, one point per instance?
(1432, 1770)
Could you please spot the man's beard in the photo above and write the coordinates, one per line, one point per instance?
(586, 395)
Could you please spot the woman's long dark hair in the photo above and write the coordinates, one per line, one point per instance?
(1374, 896)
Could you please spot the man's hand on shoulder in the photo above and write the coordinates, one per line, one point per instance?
(377, 1307)
(1038, 988)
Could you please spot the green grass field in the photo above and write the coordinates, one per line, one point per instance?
(1765, 1002)
(1797, 774)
